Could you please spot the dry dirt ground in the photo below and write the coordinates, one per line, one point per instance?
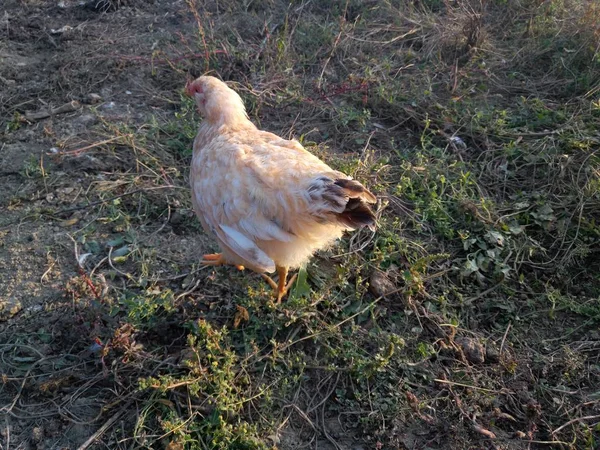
(99, 284)
(92, 60)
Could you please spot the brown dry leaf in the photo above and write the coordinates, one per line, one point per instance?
(166, 402)
(174, 445)
(69, 222)
(412, 401)
(241, 316)
(483, 431)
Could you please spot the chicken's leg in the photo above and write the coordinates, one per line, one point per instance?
(281, 287)
(217, 259)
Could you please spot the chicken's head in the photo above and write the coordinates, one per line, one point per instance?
(216, 101)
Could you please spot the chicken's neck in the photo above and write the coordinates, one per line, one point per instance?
(229, 122)
(210, 130)
(227, 111)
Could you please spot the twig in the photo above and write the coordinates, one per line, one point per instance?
(302, 414)
(504, 337)
(454, 383)
(66, 108)
(561, 443)
(473, 419)
(484, 293)
(104, 427)
(120, 272)
(326, 396)
(189, 291)
(455, 76)
(51, 265)
(89, 283)
(481, 430)
(177, 277)
(96, 144)
(364, 150)
(389, 41)
(7, 432)
(578, 419)
(8, 409)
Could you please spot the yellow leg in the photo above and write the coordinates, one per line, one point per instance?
(281, 287)
(217, 259)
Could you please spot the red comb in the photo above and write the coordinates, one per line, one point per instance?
(192, 87)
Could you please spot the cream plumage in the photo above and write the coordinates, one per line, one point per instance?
(268, 202)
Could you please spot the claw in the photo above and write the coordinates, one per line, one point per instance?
(281, 288)
(213, 259)
(217, 259)
(269, 280)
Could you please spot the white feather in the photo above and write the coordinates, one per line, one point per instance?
(266, 230)
(247, 249)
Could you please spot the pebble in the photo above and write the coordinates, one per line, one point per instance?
(93, 98)
(380, 285)
(472, 349)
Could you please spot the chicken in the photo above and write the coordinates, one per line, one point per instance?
(268, 202)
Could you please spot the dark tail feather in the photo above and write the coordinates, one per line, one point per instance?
(357, 214)
(354, 189)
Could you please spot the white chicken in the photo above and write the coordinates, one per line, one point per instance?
(268, 202)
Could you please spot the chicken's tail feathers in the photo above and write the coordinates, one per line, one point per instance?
(342, 200)
(357, 213)
(353, 189)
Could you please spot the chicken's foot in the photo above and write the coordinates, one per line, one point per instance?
(281, 287)
(217, 259)
(269, 280)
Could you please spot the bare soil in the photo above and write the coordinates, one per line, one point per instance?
(52, 53)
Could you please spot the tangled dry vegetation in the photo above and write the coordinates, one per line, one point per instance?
(468, 320)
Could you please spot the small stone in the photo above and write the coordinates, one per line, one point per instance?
(9, 308)
(176, 218)
(472, 349)
(93, 98)
(380, 285)
(37, 434)
(86, 120)
(492, 355)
